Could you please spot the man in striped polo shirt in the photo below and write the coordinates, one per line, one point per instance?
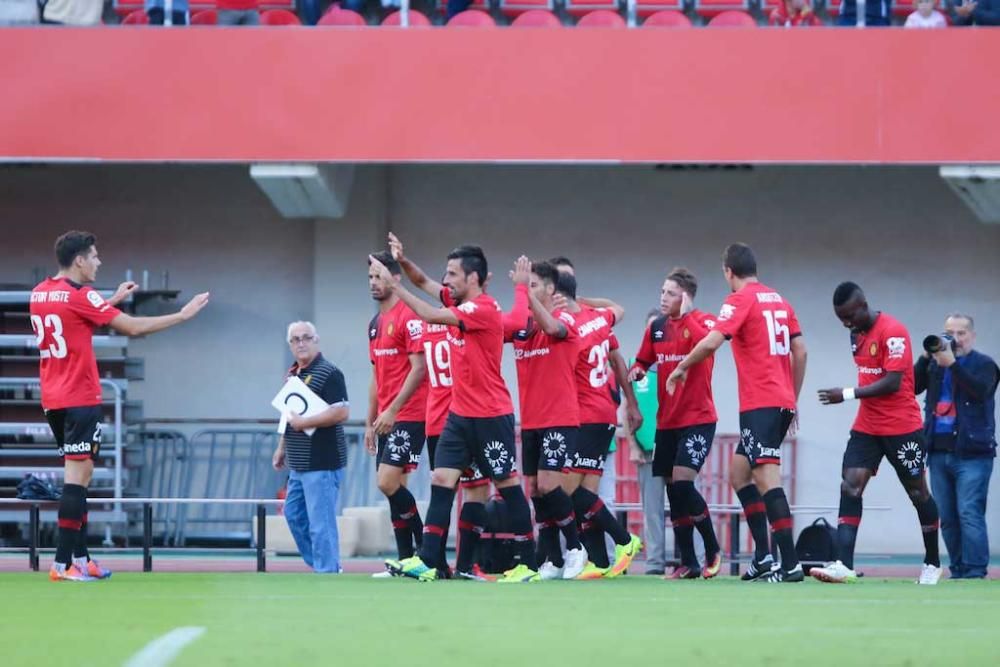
(315, 462)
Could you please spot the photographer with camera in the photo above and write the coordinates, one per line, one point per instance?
(960, 428)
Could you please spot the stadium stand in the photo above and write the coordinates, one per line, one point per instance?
(341, 17)
(416, 19)
(537, 18)
(279, 17)
(136, 17)
(579, 8)
(709, 9)
(126, 7)
(732, 19)
(667, 18)
(205, 17)
(472, 18)
(513, 8)
(602, 18)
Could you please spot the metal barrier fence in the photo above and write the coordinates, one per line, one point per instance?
(232, 463)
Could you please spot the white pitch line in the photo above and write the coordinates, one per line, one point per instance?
(162, 650)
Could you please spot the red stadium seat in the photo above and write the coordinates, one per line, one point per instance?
(602, 18)
(205, 17)
(537, 18)
(732, 19)
(416, 19)
(644, 8)
(279, 17)
(711, 8)
(580, 8)
(668, 18)
(518, 7)
(341, 17)
(137, 17)
(472, 18)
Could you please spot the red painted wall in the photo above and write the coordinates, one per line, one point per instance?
(379, 94)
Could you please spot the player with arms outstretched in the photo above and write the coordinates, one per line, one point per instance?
(65, 311)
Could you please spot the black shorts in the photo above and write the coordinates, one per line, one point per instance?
(432, 441)
(472, 477)
(761, 433)
(486, 441)
(907, 453)
(402, 446)
(547, 448)
(687, 446)
(77, 431)
(592, 445)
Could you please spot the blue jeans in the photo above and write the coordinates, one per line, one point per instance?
(311, 513)
(959, 487)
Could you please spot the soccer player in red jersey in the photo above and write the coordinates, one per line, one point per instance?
(64, 313)
(546, 353)
(397, 402)
(598, 419)
(480, 424)
(770, 357)
(685, 422)
(888, 424)
(475, 487)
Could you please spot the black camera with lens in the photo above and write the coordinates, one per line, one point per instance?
(937, 342)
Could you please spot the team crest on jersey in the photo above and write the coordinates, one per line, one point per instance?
(95, 299)
(727, 311)
(398, 444)
(896, 346)
(468, 307)
(697, 447)
(496, 456)
(554, 447)
(687, 333)
(390, 329)
(911, 458)
(873, 349)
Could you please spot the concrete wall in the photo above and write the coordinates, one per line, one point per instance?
(213, 231)
(898, 232)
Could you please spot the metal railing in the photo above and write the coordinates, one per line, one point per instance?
(118, 391)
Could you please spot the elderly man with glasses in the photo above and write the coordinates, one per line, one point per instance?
(315, 462)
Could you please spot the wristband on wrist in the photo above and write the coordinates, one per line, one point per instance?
(849, 394)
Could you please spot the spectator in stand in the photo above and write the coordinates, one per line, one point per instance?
(793, 13)
(925, 16)
(877, 13)
(72, 12)
(237, 12)
(981, 12)
(156, 11)
(18, 12)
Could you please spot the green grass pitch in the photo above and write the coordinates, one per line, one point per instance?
(304, 620)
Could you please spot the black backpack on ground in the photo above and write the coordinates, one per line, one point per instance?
(817, 544)
(496, 548)
(35, 488)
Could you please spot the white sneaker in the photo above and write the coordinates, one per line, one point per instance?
(548, 571)
(834, 573)
(929, 575)
(382, 575)
(576, 560)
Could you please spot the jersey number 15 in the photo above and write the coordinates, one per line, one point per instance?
(777, 332)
